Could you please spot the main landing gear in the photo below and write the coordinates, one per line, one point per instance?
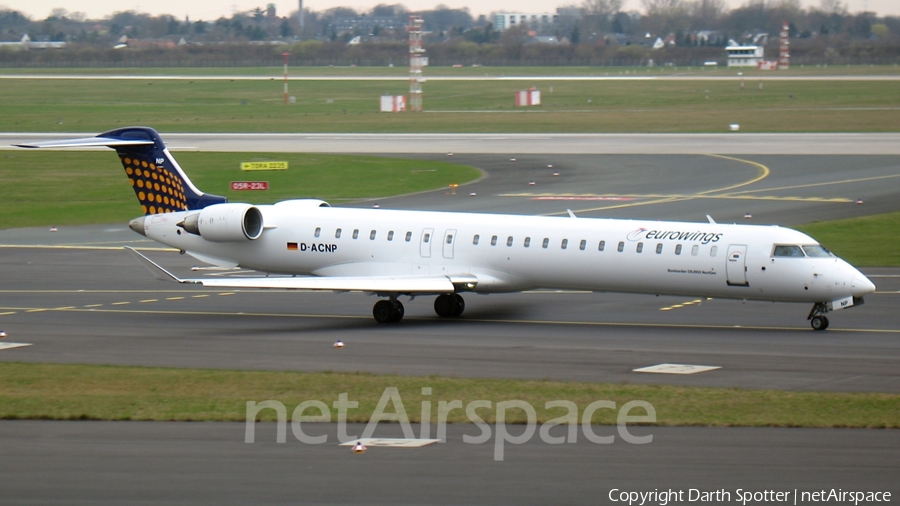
(388, 311)
(817, 318)
(447, 305)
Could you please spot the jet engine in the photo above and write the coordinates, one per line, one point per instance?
(225, 223)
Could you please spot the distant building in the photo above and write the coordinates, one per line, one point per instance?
(744, 56)
(543, 39)
(366, 24)
(506, 20)
(27, 43)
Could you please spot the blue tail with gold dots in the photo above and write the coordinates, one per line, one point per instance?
(158, 181)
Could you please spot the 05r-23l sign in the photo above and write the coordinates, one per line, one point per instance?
(249, 185)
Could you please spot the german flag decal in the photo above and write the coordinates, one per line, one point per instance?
(292, 246)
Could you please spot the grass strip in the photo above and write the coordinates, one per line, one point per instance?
(567, 106)
(100, 392)
(851, 239)
(402, 72)
(76, 188)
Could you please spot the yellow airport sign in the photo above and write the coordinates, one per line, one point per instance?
(264, 165)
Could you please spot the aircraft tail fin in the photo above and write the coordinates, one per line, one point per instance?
(158, 181)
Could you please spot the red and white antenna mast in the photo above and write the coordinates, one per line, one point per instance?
(784, 61)
(416, 53)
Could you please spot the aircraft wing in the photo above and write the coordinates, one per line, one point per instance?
(377, 284)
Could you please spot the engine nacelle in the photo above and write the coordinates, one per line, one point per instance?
(226, 223)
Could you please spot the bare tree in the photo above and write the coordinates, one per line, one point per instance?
(656, 6)
(833, 7)
(708, 12)
(602, 7)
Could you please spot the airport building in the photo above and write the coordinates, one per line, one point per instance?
(505, 20)
(744, 56)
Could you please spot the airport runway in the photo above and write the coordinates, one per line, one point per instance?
(98, 306)
(734, 143)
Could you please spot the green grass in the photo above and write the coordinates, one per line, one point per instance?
(72, 188)
(850, 239)
(451, 106)
(401, 71)
(50, 391)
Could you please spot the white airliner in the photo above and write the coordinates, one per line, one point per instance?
(310, 245)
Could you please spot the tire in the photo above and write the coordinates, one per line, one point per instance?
(459, 303)
(398, 309)
(819, 322)
(384, 311)
(445, 305)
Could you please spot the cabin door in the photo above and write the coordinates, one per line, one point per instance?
(736, 265)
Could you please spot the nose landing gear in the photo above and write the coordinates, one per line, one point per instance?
(817, 318)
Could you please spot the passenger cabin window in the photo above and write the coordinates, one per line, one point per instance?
(449, 238)
(788, 251)
(640, 247)
(527, 242)
(475, 239)
(564, 244)
(621, 246)
(408, 236)
(695, 249)
(318, 231)
(509, 241)
(390, 235)
(678, 249)
(817, 251)
(372, 235)
(601, 246)
(545, 243)
(355, 233)
(337, 234)
(426, 237)
(494, 240)
(582, 245)
(713, 251)
(659, 248)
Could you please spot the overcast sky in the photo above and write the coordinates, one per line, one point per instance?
(209, 10)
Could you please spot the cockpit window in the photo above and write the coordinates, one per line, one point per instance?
(788, 251)
(817, 251)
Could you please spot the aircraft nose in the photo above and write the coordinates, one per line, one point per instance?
(861, 285)
(137, 225)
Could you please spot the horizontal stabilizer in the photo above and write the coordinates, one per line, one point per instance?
(376, 284)
(88, 142)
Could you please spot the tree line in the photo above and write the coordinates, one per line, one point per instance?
(596, 33)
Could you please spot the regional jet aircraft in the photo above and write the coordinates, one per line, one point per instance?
(390, 253)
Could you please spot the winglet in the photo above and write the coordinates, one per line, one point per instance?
(711, 221)
(154, 268)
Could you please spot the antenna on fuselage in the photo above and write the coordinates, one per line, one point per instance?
(711, 221)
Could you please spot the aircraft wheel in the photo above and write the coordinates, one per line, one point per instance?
(398, 310)
(387, 311)
(460, 304)
(819, 322)
(448, 305)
